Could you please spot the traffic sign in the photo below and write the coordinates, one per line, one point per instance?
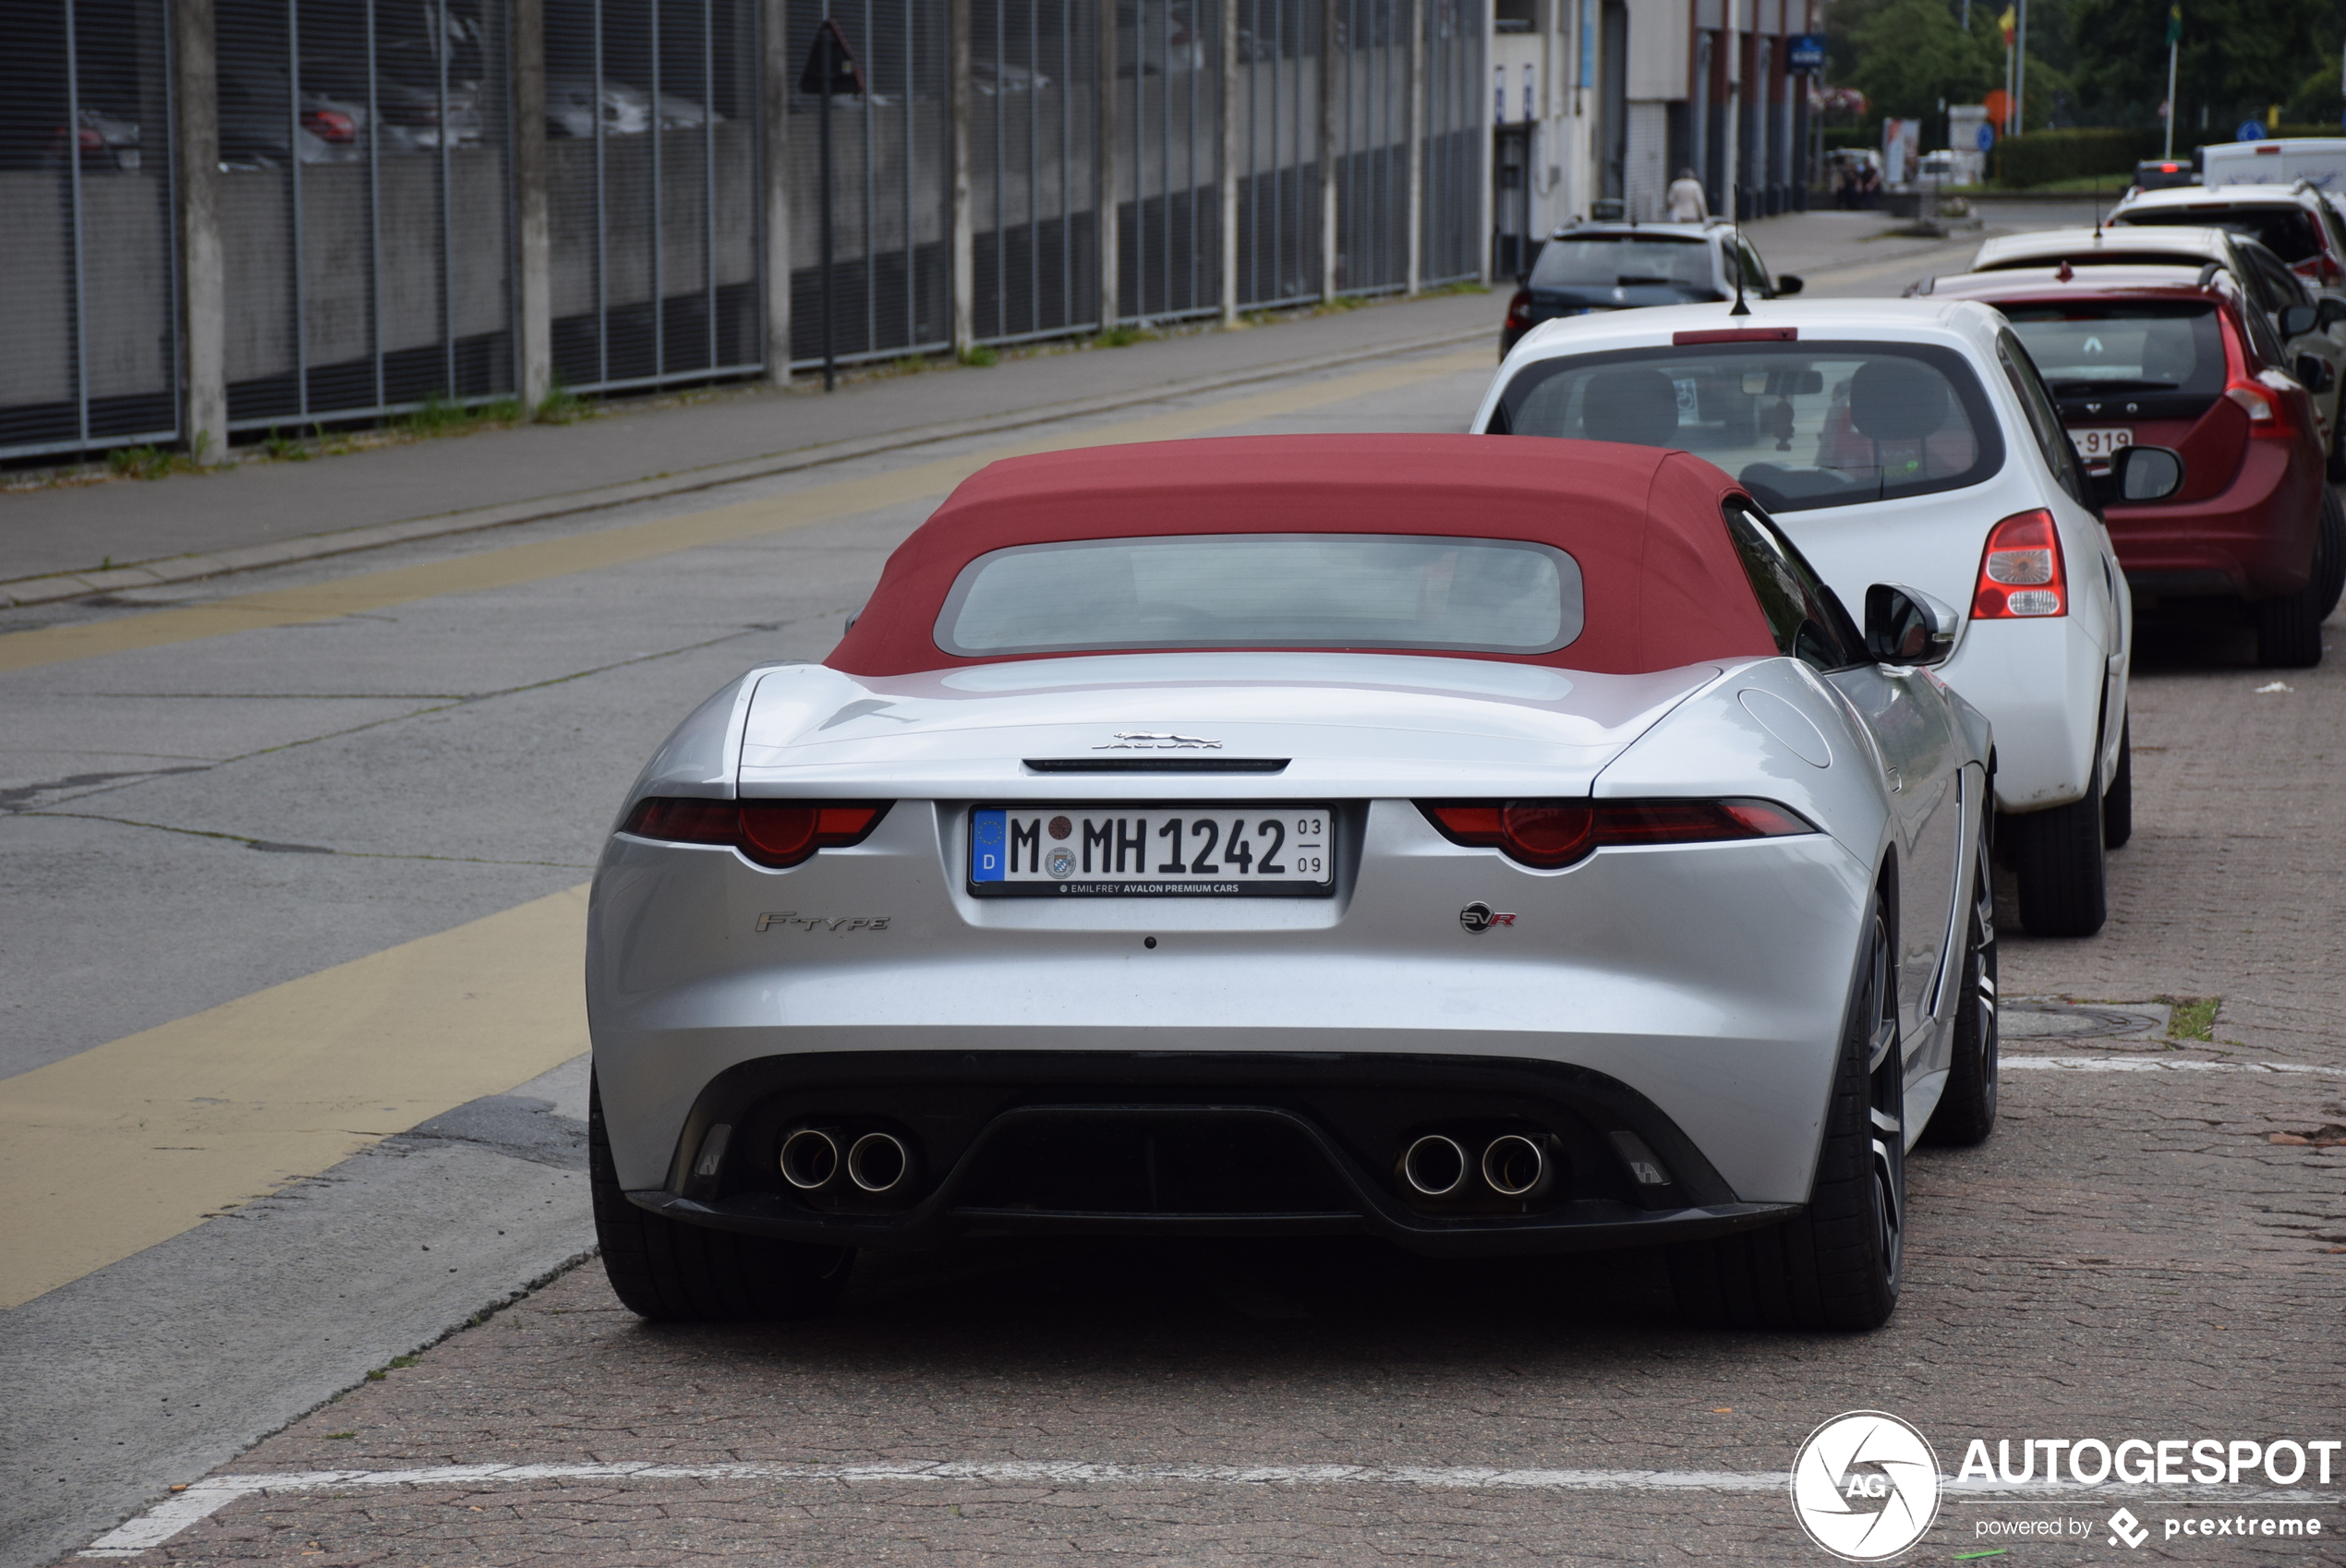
(1987, 136)
(1805, 52)
(2250, 130)
(831, 68)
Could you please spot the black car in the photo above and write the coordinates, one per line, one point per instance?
(1621, 266)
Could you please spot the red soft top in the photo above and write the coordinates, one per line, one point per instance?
(1662, 581)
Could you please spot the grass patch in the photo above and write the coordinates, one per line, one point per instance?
(285, 448)
(560, 405)
(396, 1364)
(1121, 337)
(1464, 285)
(338, 1437)
(980, 357)
(2193, 1017)
(140, 462)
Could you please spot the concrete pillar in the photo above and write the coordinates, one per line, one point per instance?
(533, 292)
(203, 411)
(1230, 171)
(1111, 164)
(1417, 147)
(964, 237)
(1331, 142)
(776, 77)
(1734, 158)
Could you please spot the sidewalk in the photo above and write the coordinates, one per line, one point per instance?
(260, 513)
(73, 542)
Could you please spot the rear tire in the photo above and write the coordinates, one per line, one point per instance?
(2288, 630)
(1966, 1111)
(2058, 859)
(663, 1269)
(2118, 805)
(2329, 557)
(1838, 1265)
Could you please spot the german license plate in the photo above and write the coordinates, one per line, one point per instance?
(1154, 851)
(2102, 445)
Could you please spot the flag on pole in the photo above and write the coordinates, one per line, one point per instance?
(2174, 25)
(2008, 24)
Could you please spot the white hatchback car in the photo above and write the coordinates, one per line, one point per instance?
(1905, 441)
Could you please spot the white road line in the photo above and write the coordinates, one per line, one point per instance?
(205, 1497)
(2158, 1064)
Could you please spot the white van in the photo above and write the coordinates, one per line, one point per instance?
(2320, 161)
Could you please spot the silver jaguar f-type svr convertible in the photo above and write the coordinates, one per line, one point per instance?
(1488, 845)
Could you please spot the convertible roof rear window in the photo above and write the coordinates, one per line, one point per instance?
(1242, 590)
(1801, 425)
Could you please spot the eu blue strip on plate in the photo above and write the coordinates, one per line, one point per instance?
(985, 846)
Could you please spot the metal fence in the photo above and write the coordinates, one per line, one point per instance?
(1372, 173)
(652, 190)
(89, 352)
(369, 228)
(893, 151)
(1034, 156)
(1456, 139)
(364, 206)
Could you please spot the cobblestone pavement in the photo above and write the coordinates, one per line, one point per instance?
(2133, 1255)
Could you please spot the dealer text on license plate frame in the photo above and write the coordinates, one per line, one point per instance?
(1126, 851)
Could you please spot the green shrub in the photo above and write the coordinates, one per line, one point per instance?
(2044, 157)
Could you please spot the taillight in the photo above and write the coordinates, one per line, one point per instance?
(1549, 834)
(773, 833)
(2020, 572)
(1519, 310)
(2266, 408)
(330, 125)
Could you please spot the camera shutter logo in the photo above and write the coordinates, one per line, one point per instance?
(1865, 1486)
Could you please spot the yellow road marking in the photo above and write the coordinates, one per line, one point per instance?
(106, 1153)
(639, 541)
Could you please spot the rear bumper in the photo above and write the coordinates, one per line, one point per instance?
(1045, 1144)
(2254, 541)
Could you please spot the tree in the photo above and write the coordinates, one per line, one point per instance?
(1908, 56)
(2237, 55)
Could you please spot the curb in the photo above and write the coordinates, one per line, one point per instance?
(56, 586)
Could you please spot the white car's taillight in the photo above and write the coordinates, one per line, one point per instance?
(2020, 572)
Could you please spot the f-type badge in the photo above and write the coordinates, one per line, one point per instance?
(1150, 740)
(1479, 917)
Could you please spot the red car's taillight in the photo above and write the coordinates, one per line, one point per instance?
(774, 833)
(1549, 834)
(1519, 311)
(330, 125)
(2268, 409)
(2020, 572)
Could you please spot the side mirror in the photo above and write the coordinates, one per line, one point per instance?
(1788, 284)
(2141, 475)
(1907, 626)
(2297, 321)
(2329, 312)
(2315, 373)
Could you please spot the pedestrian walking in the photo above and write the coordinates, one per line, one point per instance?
(1685, 203)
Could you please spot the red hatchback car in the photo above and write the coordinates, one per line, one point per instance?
(2174, 357)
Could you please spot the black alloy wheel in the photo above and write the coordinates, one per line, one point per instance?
(1840, 1264)
(2289, 629)
(2059, 858)
(1966, 1111)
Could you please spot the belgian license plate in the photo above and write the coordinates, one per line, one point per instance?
(1154, 851)
(2102, 445)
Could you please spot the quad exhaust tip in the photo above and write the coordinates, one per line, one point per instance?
(1434, 1166)
(809, 1159)
(1515, 1166)
(879, 1162)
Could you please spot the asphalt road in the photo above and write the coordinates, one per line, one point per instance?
(288, 914)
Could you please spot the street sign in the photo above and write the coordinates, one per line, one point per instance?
(1805, 52)
(832, 69)
(1987, 136)
(2250, 130)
